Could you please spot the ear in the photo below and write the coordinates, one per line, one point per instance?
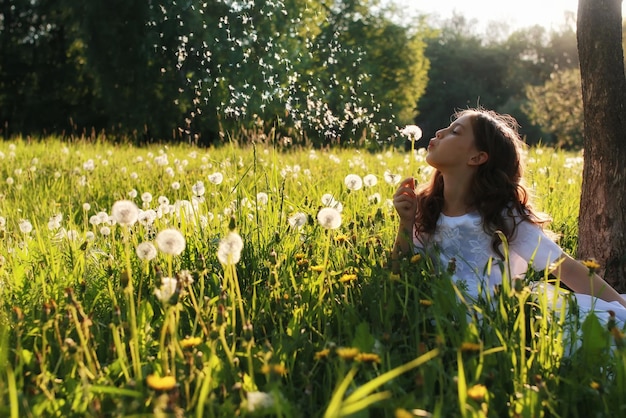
(479, 158)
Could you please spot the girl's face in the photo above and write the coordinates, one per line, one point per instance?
(454, 146)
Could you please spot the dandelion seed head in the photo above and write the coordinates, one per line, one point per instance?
(329, 218)
(168, 288)
(412, 132)
(170, 241)
(125, 212)
(216, 178)
(146, 251)
(370, 180)
(262, 198)
(298, 219)
(229, 249)
(25, 226)
(353, 182)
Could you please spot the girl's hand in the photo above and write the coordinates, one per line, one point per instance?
(405, 201)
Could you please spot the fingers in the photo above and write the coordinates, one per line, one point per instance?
(408, 182)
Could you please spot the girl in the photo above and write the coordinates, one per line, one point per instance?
(475, 191)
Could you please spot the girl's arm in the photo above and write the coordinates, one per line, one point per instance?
(579, 278)
(405, 202)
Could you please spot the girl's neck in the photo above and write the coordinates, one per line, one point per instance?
(456, 195)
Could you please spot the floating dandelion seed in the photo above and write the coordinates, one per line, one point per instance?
(125, 212)
(229, 249)
(370, 180)
(168, 288)
(298, 219)
(353, 182)
(329, 218)
(146, 251)
(170, 241)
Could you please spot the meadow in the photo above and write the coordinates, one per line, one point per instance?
(170, 280)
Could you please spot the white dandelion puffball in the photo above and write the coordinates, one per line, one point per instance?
(216, 178)
(25, 226)
(392, 178)
(353, 182)
(125, 212)
(329, 218)
(229, 250)
(146, 251)
(167, 289)
(146, 197)
(258, 401)
(262, 198)
(170, 241)
(198, 189)
(370, 180)
(298, 219)
(412, 132)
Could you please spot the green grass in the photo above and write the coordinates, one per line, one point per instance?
(308, 323)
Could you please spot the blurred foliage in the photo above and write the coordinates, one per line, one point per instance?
(557, 106)
(304, 71)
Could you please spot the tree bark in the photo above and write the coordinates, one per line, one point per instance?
(602, 218)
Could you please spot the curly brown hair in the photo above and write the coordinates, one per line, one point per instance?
(497, 187)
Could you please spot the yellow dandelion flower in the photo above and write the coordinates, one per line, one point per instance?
(341, 238)
(402, 413)
(591, 264)
(162, 383)
(317, 268)
(279, 369)
(426, 302)
(299, 256)
(368, 358)
(477, 392)
(347, 278)
(266, 369)
(416, 258)
(467, 346)
(394, 277)
(302, 262)
(348, 353)
(190, 342)
(595, 385)
(322, 354)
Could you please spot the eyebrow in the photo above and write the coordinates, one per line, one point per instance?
(456, 124)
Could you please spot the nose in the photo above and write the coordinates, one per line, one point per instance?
(439, 133)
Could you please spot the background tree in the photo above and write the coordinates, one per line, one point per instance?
(602, 219)
(557, 107)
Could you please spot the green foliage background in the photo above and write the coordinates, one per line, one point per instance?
(344, 72)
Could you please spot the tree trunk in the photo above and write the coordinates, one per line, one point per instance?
(602, 218)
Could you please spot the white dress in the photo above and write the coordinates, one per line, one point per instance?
(461, 240)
